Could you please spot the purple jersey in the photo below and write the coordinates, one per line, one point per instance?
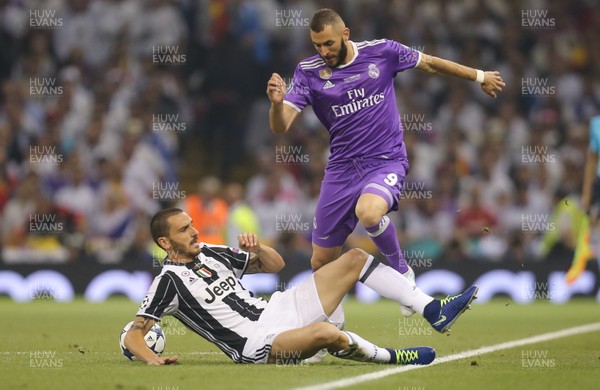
(356, 101)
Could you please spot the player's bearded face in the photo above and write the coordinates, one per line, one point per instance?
(186, 247)
(342, 54)
(183, 238)
(334, 60)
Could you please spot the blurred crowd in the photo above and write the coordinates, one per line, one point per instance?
(112, 109)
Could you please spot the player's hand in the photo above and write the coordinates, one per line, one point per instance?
(249, 242)
(492, 82)
(276, 89)
(161, 361)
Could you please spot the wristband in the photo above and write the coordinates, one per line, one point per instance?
(480, 75)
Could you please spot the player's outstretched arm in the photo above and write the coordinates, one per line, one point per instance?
(490, 81)
(135, 343)
(263, 258)
(281, 115)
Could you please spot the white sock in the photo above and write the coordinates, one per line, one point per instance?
(365, 351)
(337, 318)
(389, 283)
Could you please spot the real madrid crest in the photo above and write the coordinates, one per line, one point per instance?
(373, 71)
(325, 73)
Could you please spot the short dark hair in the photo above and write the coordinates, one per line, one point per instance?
(324, 17)
(159, 227)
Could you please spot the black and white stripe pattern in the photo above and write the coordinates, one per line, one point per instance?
(207, 296)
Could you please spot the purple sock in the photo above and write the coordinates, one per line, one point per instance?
(384, 236)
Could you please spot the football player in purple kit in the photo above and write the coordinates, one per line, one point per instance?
(351, 88)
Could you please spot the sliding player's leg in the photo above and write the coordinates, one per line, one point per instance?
(335, 279)
(305, 342)
(297, 344)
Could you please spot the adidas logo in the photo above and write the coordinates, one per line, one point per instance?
(328, 85)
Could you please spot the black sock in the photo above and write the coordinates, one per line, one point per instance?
(393, 359)
(432, 310)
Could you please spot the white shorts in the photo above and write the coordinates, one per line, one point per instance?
(292, 309)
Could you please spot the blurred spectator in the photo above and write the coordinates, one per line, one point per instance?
(277, 200)
(523, 151)
(475, 224)
(33, 227)
(112, 225)
(77, 195)
(208, 211)
(240, 217)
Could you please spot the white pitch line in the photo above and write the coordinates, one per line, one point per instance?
(97, 353)
(461, 355)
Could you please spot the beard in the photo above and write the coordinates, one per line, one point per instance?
(341, 56)
(185, 251)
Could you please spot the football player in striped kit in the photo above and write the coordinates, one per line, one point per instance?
(200, 285)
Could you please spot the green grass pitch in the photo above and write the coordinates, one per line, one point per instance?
(47, 345)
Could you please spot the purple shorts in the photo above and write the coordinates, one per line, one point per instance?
(335, 216)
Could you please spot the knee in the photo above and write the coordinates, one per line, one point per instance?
(326, 334)
(367, 214)
(317, 262)
(356, 258)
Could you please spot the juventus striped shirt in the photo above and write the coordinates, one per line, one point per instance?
(207, 296)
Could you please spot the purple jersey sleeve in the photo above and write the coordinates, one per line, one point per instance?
(402, 57)
(297, 93)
